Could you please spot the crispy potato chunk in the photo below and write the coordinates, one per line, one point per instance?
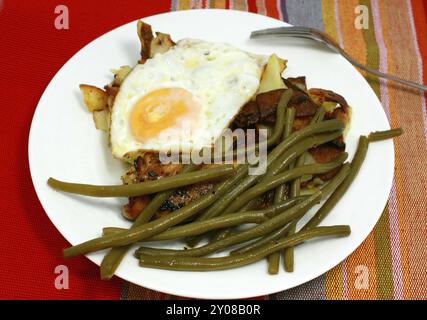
(271, 79)
(120, 75)
(102, 119)
(145, 34)
(94, 98)
(151, 45)
(160, 44)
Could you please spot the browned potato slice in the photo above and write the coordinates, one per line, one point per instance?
(102, 119)
(161, 43)
(271, 78)
(120, 75)
(94, 97)
(145, 34)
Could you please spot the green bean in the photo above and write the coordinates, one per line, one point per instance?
(201, 227)
(221, 263)
(258, 231)
(280, 118)
(330, 203)
(148, 187)
(289, 121)
(152, 228)
(320, 114)
(336, 180)
(113, 258)
(222, 235)
(383, 135)
(288, 252)
(273, 261)
(277, 180)
(290, 155)
(252, 204)
(276, 234)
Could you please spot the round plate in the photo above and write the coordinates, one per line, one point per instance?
(63, 143)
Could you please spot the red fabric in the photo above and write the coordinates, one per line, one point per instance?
(32, 50)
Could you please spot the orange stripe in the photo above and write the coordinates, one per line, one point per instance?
(261, 7)
(271, 8)
(334, 281)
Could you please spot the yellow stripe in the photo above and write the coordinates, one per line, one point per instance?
(333, 285)
(328, 10)
(184, 4)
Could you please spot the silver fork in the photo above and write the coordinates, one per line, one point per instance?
(317, 35)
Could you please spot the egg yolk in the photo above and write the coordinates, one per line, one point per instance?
(162, 109)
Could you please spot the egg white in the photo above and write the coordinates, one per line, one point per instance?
(220, 77)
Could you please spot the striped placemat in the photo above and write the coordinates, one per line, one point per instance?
(389, 36)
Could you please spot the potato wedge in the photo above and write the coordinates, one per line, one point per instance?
(271, 79)
(94, 98)
(102, 119)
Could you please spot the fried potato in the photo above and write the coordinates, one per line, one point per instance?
(102, 119)
(160, 44)
(120, 75)
(145, 34)
(94, 98)
(271, 79)
(151, 45)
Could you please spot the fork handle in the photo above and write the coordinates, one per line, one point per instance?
(386, 76)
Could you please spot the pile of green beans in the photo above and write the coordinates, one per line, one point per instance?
(230, 202)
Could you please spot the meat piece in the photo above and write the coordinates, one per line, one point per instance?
(322, 95)
(326, 152)
(302, 103)
(248, 115)
(267, 102)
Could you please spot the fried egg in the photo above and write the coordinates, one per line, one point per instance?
(183, 99)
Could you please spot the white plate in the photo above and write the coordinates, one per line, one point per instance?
(63, 143)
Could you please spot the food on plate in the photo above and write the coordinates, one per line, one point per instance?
(202, 88)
